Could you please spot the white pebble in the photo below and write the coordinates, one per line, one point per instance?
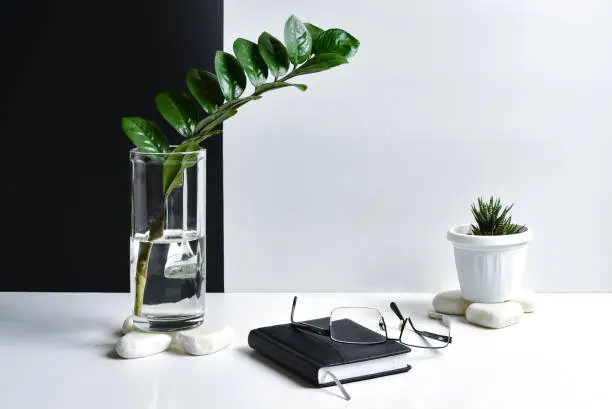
(450, 302)
(138, 344)
(128, 325)
(204, 340)
(497, 315)
(527, 300)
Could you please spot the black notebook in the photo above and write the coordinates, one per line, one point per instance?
(310, 355)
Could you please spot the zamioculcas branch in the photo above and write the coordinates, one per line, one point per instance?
(307, 49)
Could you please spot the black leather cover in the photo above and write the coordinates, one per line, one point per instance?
(304, 352)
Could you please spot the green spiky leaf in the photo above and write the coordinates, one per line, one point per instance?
(491, 220)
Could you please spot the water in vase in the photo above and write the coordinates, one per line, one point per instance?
(176, 280)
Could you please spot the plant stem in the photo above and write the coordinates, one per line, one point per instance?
(202, 132)
(142, 266)
(156, 230)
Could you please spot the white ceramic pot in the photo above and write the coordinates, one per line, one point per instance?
(490, 268)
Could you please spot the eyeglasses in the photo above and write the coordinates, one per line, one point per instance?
(346, 325)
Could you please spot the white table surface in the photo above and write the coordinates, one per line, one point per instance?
(56, 352)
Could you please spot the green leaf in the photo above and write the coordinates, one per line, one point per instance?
(274, 54)
(318, 63)
(298, 40)
(177, 161)
(278, 84)
(336, 41)
(314, 31)
(247, 53)
(204, 86)
(231, 76)
(179, 110)
(145, 135)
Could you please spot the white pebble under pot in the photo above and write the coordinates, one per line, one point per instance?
(490, 268)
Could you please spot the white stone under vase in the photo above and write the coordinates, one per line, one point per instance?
(203, 340)
(489, 315)
(490, 268)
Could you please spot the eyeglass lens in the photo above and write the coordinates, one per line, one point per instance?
(347, 324)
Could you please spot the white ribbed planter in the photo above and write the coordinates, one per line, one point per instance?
(490, 268)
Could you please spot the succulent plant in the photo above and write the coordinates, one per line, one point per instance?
(491, 220)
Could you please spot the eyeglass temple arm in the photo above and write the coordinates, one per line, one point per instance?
(311, 328)
(304, 325)
(396, 310)
(441, 338)
(427, 334)
(338, 384)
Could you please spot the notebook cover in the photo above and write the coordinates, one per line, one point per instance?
(304, 352)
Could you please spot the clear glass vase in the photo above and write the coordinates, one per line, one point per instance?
(167, 248)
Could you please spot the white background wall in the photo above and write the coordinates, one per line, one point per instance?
(352, 185)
